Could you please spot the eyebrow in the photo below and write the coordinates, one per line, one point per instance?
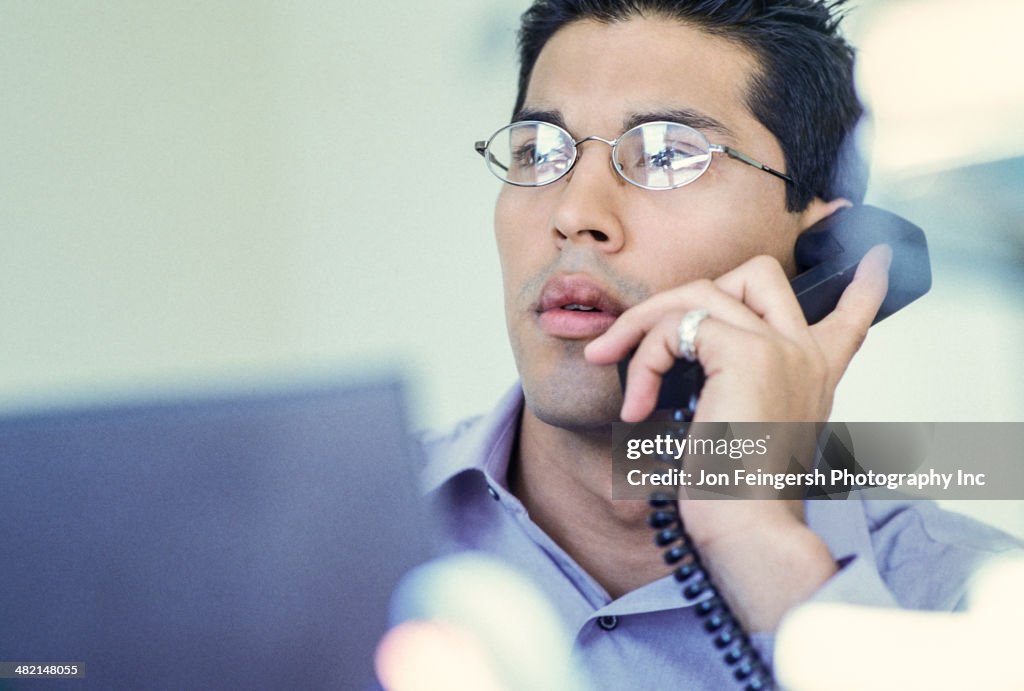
(684, 116)
(551, 116)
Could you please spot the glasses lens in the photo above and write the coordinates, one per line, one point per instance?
(530, 153)
(662, 155)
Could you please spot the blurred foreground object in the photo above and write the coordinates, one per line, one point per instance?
(471, 622)
(845, 647)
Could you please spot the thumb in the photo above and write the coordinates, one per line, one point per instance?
(841, 333)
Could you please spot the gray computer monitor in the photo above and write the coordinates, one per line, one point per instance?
(222, 542)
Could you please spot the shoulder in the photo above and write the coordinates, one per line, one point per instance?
(931, 527)
(927, 554)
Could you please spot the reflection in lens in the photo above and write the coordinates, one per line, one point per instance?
(530, 153)
(553, 153)
(662, 155)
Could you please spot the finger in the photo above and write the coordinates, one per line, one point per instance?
(655, 355)
(659, 351)
(632, 326)
(841, 333)
(763, 287)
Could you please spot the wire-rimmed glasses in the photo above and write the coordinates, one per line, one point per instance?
(654, 156)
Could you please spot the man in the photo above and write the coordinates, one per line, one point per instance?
(667, 156)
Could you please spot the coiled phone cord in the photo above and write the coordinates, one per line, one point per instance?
(718, 620)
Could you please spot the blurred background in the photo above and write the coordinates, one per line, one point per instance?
(199, 196)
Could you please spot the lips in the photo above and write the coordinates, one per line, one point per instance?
(575, 307)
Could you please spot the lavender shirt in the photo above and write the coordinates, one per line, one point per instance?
(892, 554)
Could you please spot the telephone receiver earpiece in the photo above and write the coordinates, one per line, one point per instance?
(827, 255)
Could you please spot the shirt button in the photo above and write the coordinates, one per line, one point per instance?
(493, 492)
(608, 622)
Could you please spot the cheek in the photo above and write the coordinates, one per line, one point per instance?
(519, 223)
(504, 238)
(681, 238)
(776, 236)
(504, 219)
(765, 226)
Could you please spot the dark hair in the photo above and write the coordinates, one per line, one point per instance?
(803, 93)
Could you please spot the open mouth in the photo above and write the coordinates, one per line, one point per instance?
(576, 307)
(576, 320)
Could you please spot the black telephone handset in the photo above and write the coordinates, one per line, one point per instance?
(827, 255)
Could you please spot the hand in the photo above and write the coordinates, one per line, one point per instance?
(761, 360)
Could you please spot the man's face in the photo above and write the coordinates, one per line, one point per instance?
(592, 239)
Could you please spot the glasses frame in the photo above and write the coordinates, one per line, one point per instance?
(482, 147)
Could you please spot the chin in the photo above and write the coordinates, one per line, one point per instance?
(586, 398)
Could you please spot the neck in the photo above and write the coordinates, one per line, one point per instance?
(563, 477)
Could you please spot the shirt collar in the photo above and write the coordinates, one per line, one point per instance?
(483, 443)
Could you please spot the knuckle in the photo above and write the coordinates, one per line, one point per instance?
(703, 285)
(653, 355)
(692, 293)
(765, 263)
(855, 324)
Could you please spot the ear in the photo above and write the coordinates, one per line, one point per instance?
(819, 209)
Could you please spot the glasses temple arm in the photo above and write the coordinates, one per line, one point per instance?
(739, 156)
(481, 148)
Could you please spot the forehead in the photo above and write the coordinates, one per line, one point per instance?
(597, 75)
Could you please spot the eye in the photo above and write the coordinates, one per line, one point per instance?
(547, 159)
(524, 155)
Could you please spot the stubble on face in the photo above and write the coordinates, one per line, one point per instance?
(565, 432)
(560, 387)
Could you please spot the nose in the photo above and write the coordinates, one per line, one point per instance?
(588, 207)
